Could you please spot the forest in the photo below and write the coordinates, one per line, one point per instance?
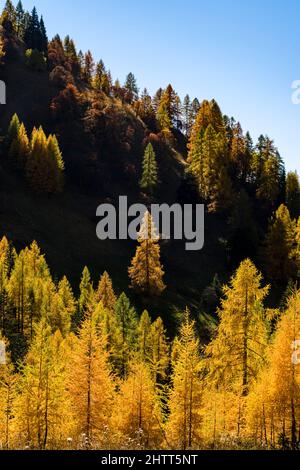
(139, 345)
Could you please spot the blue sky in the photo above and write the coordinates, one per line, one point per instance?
(243, 53)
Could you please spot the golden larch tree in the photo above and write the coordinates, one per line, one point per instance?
(90, 384)
(184, 423)
(146, 272)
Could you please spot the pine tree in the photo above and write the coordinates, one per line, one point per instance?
(146, 272)
(140, 423)
(127, 324)
(268, 171)
(99, 73)
(90, 384)
(279, 247)
(293, 194)
(33, 34)
(43, 42)
(149, 177)
(105, 292)
(187, 115)
(238, 155)
(131, 88)
(20, 19)
(208, 163)
(184, 424)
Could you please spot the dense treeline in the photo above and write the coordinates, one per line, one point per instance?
(88, 358)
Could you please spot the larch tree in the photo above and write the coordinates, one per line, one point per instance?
(13, 129)
(7, 256)
(86, 291)
(166, 110)
(55, 166)
(274, 417)
(41, 406)
(19, 150)
(7, 396)
(236, 354)
(62, 307)
(139, 425)
(149, 177)
(279, 247)
(44, 167)
(105, 292)
(28, 288)
(90, 385)
(146, 272)
(88, 68)
(183, 428)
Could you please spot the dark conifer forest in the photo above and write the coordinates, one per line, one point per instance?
(125, 344)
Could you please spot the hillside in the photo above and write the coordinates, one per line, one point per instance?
(138, 345)
(102, 130)
(66, 223)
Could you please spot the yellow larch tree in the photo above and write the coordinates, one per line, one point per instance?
(90, 384)
(236, 354)
(42, 409)
(183, 427)
(137, 418)
(7, 256)
(278, 403)
(7, 396)
(105, 292)
(20, 148)
(146, 272)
